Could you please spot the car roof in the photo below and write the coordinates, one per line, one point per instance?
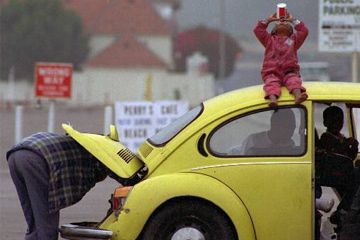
(317, 91)
(252, 96)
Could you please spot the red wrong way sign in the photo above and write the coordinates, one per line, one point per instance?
(53, 80)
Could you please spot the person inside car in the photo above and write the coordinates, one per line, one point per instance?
(337, 153)
(277, 140)
(333, 140)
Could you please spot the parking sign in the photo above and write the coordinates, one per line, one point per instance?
(339, 25)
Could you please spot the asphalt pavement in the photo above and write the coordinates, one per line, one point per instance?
(92, 207)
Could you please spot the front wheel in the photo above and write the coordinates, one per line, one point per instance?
(189, 220)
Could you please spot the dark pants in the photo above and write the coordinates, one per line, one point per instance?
(338, 172)
(30, 175)
(356, 199)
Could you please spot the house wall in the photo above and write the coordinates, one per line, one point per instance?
(19, 91)
(161, 46)
(104, 86)
(98, 43)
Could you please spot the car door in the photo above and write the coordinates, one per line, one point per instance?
(275, 182)
(355, 126)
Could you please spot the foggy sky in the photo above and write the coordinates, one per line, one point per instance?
(241, 15)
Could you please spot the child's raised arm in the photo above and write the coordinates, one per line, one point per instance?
(260, 29)
(301, 31)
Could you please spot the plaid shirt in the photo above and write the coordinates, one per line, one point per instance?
(73, 171)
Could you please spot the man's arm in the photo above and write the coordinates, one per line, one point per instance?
(352, 146)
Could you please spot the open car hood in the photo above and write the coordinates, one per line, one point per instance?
(114, 155)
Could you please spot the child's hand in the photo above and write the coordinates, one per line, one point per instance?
(272, 18)
(290, 18)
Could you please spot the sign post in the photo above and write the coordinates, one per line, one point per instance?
(355, 66)
(18, 123)
(339, 29)
(53, 80)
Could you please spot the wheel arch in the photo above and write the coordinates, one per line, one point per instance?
(180, 199)
(148, 195)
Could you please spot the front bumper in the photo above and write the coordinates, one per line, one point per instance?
(84, 231)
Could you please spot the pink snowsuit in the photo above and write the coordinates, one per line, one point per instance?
(280, 66)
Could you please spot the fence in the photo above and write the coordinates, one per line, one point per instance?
(33, 119)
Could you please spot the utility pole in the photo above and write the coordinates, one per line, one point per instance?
(11, 88)
(355, 63)
(222, 52)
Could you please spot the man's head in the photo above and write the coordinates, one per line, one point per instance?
(282, 125)
(282, 29)
(333, 118)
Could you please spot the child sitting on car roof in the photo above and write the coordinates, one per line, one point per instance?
(280, 66)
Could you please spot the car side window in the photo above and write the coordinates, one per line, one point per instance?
(319, 109)
(280, 132)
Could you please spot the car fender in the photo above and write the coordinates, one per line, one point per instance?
(149, 194)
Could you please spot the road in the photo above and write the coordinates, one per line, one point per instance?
(94, 205)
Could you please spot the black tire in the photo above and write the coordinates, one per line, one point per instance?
(199, 216)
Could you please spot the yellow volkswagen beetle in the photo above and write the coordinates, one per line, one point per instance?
(230, 168)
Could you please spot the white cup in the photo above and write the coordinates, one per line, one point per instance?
(281, 10)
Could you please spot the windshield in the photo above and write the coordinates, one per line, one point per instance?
(171, 130)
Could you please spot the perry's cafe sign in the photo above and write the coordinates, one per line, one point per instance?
(339, 25)
(53, 80)
(137, 121)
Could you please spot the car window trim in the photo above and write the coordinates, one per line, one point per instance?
(352, 119)
(164, 143)
(208, 148)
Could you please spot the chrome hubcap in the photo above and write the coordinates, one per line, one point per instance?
(188, 233)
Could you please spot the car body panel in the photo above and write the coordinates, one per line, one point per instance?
(148, 195)
(245, 100)
(261, 187)
(111, 153)
(265, 197)
(258, 181)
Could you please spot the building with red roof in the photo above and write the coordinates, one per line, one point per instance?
(126, 52)
(129, 41)
(130, 51)
(121, 27)
(119, 16)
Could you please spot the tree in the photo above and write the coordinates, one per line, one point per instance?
(39, 31)
(206, 41)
